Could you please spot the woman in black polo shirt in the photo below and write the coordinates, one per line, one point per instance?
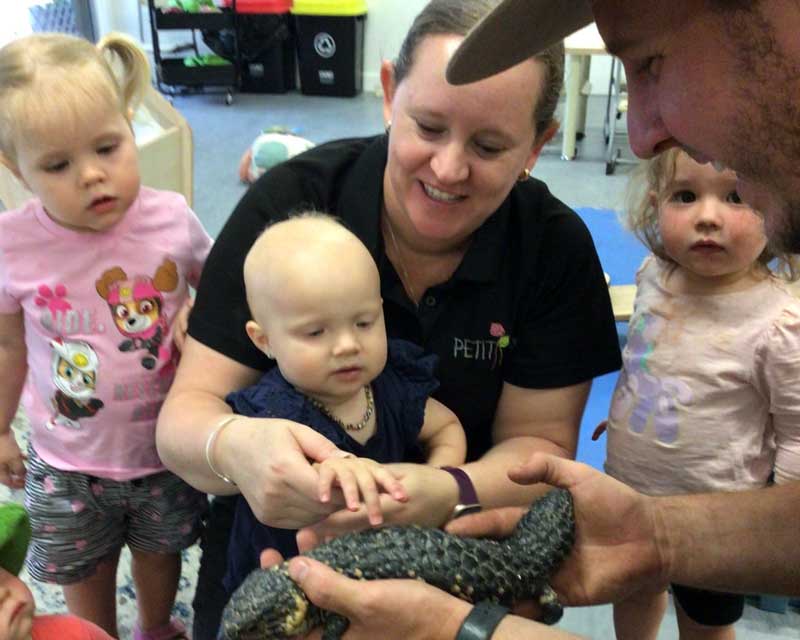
(479, 263)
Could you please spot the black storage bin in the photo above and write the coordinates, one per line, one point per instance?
(173, 71)
(330, 54)
(266, 51)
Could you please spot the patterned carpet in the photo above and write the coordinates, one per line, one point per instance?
(49, 598)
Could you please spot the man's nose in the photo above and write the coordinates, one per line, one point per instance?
(647, 133)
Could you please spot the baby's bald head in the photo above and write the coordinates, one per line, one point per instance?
(304, 250)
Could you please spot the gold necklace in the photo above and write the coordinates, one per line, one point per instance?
(358, 426)
(405, 279)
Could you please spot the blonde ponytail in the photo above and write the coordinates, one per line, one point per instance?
(134, 75)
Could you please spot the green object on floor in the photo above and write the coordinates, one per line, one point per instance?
(15, 533)
(205, 60)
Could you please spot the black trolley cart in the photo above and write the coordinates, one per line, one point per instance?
(173, 71)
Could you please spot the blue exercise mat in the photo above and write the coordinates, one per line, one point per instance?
(620, 253)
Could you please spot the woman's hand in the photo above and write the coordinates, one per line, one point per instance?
(492, 523)
(432, 494)
(377, 608)
(268, 460)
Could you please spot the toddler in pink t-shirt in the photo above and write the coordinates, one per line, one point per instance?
(93, 272)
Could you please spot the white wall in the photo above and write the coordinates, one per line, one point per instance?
(386, 24)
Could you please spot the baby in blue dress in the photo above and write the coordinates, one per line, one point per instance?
(315, 299)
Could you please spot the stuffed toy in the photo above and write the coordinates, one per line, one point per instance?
(273, 146)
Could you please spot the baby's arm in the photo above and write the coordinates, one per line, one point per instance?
(442, 436)
(13, 363)
(358, 478)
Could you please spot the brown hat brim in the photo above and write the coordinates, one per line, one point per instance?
(514, 31)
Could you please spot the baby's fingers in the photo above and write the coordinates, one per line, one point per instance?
(327, 474)
(365, 478)
(349, 484)
(389, 483)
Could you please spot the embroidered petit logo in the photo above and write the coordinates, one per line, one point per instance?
(489, 349)
(498, 331)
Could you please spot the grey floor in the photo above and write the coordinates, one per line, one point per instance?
(222, 132)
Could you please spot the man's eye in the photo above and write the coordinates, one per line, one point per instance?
(106, 149)
(315, 333)
(733, 198)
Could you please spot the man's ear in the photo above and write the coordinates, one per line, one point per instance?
(258, 337)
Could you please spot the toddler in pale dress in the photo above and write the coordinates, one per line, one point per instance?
(709, 395)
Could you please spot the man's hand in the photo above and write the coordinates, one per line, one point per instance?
(616, 549)
(385, 609)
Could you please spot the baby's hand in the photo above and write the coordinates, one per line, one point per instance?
(359, 476)
(12, 462)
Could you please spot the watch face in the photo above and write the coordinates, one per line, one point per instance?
(465, 509)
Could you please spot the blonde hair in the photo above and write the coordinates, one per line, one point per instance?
(646, 187)
(50, 77)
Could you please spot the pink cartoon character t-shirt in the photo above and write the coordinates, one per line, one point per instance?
(98, 310)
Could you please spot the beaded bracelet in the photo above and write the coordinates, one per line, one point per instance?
(212, 438)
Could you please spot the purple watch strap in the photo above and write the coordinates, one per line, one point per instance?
(466, 490)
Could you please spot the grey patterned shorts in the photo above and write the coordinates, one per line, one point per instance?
(78, 520)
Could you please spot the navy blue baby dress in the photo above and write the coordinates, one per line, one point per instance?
(400, 391)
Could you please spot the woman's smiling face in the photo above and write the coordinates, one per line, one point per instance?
(455, 152)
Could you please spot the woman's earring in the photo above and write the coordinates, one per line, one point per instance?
(269, 354)
(526, 173)
(388, 127)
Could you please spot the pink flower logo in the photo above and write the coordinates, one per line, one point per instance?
(497, 330)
